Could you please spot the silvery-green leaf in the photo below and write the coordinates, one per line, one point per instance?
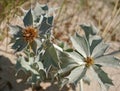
(18, 63)
(21, 74)
(33, 45)
(45, 8)
(76, 57)
(37, 58)
(46, 25)
(96, 77)
(19, 44)
(50, 20)
(99, 50)
(53, 54)
(42, 74)
(37, 66)
(30, 59)
(65, 71)
(108, 60)
(80, 44)
(66, 64)
(28, 19)
(33, 79)
(102, 75)
(37, 20)
(94, 41)
(89, 30)
(66, 60)
(96, 38)
(16, 31)
(77, 74)
(26, 65)
(50, 57)
(38, 9)
(40, 64)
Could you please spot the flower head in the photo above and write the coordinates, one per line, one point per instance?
(89, 61)
(36, 24)
(29, 34)
(90, 55)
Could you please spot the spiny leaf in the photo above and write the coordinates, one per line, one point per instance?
(34, 78)
(19, 45)
(96, 77)
(38, 10)
(99, 50)
(66, 64)
(102, 75)
(45, 7)
(46, 25)
(33, 45)
(94, 41)
(50, 57)
(108, 60)
(15, 31)
(89, 30)
(80, 44)
(28, 19)
(76, 74)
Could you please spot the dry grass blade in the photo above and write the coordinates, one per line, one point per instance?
(116, 25)
(63, 4)
(114, 14)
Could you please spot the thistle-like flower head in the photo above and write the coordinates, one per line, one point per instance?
(37, 23)
(90, 55)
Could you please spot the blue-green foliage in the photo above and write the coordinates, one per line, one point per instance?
(43, 59)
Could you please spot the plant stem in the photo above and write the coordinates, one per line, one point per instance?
(32, 87)
(81, 85)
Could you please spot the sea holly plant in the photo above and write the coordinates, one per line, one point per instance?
(89, 55)
(32, 40)
(43, 60)
(33, 31)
